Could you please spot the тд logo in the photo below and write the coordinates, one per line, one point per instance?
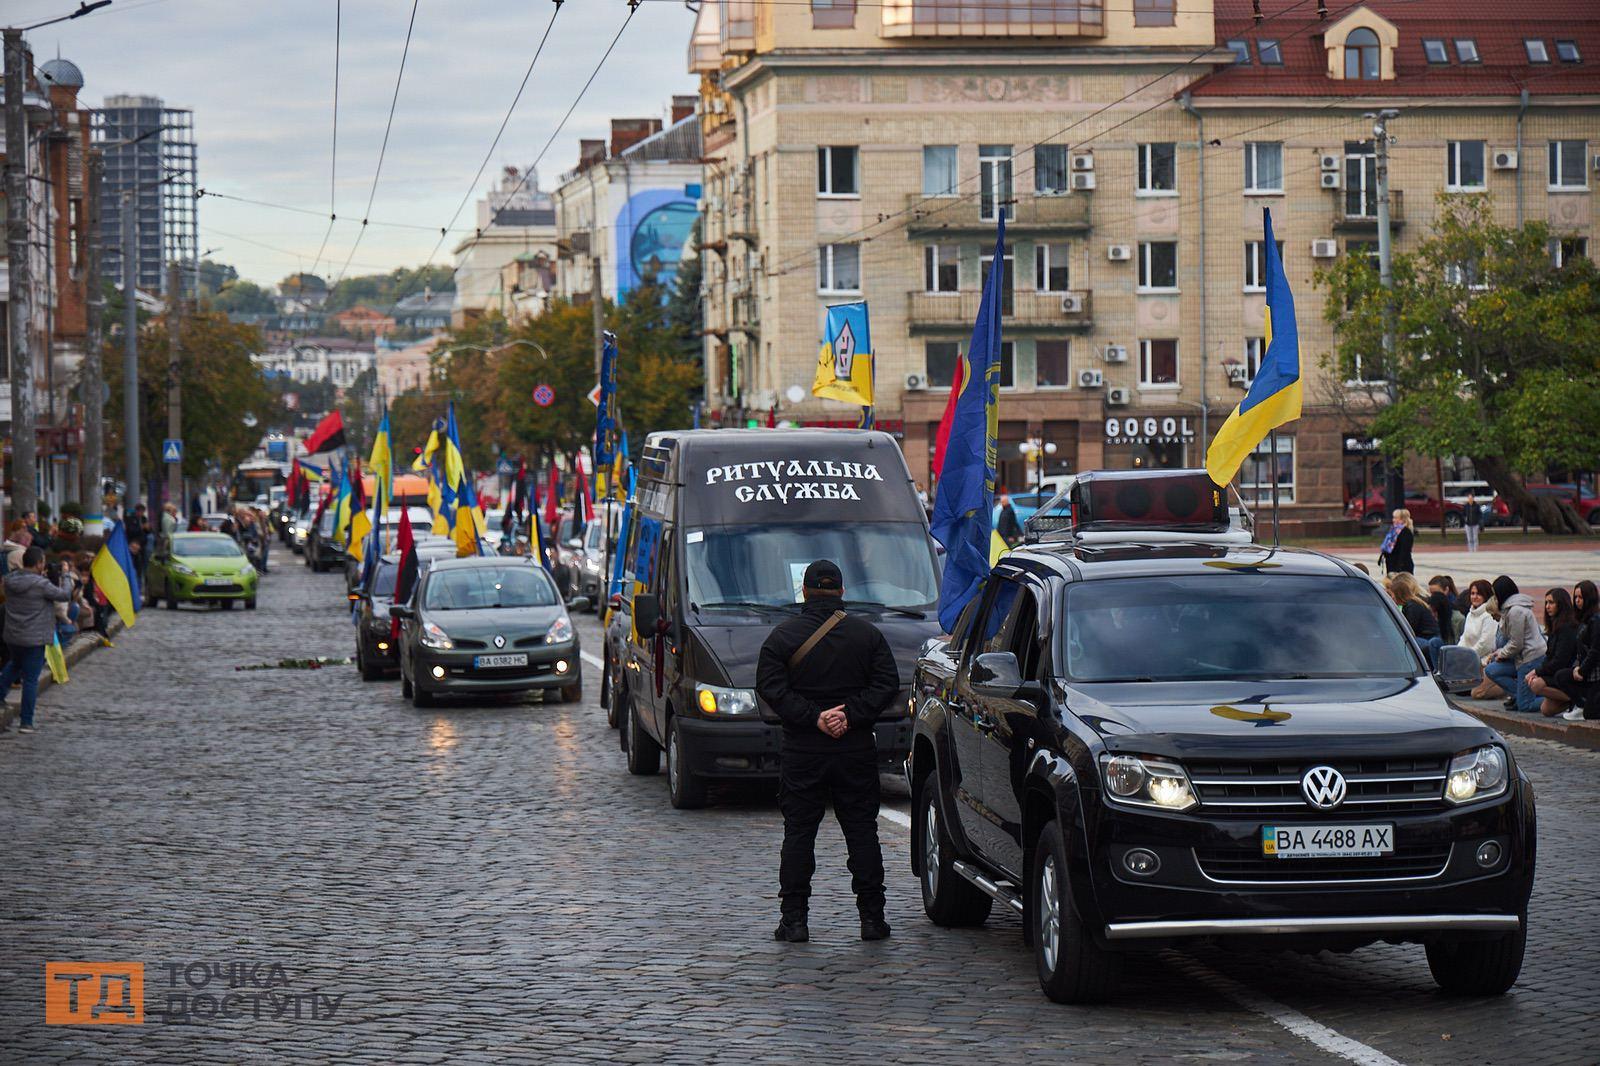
(94, 993)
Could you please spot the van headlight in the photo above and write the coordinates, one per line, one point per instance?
(434, 637)
(1142, 781)
(560, 631)
(731, 702)
(1477, 774)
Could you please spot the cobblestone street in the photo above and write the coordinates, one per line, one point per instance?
(486, 883)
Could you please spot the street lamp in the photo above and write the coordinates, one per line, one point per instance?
(1036, 450)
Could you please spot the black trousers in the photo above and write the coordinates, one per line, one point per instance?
(807, 782)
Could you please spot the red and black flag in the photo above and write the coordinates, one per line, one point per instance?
(295, 484)
(328, 435)
(406, 579)
(358, 490)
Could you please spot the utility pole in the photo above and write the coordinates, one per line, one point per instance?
(174, 383)
(1394, 492)
(91, 494)
(24, 465)
(130, 354)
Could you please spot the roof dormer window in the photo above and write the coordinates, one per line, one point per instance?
(1537, 53)
(1241, 52)
(1466, 50)
(1567, 52)
(1362, 55)
(1433, 48)
(1271, 55)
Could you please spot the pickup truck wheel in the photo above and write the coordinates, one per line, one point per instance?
(1478, 967)
(948, 898)
(686, 790)
(644, 754)
(1072, 968)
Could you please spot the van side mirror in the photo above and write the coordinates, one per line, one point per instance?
(1458, 668)
(646, 612)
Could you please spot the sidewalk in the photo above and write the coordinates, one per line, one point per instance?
(1491, 713)
(1533, 569)
(81, 647)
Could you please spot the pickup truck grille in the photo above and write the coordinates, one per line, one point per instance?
(1246, 865)
(1373, 786)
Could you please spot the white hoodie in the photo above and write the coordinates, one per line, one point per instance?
(1479, 632)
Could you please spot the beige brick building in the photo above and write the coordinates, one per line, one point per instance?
(863, 153)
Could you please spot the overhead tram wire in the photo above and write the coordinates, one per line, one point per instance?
(333, 158)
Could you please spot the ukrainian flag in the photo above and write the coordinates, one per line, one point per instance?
(381, 464)
(466, 520)
(1275, 395)
(115, 575)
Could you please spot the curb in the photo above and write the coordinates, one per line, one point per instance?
(1584, 734)
(79, 651)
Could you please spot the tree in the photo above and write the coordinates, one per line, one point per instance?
(1497, 351)
(214, 276)
(243, 298)
(382, 291)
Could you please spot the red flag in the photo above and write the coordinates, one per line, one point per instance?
(943, 438)
(328, 435)
(552, 501)
(406, 579)
(772, 418)
(292, 488)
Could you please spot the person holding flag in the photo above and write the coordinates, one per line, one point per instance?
(30, 626)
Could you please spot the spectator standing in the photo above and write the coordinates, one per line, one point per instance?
(1395, 554)
(1561, 634)
(1471, 521)
(1006, 524)
(1418, 612)
(30, 623)
(136, 527)
(1522, 646)
(169, 519)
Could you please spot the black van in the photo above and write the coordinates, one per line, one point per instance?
(724, 525)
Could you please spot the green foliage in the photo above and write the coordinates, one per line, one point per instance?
(243, 298)
(381, 291)
(215, 276)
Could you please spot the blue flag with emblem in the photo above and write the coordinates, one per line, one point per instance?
(963, 508)
(605, 419)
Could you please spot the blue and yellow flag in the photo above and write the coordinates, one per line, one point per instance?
(466, 520)
(381, 464)
(844, 366)
(341, 509)
(421, 463)
(1275, 395)
(963, 509)
(115, 576)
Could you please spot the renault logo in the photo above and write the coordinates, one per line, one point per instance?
(500, 642)
(1323, 786)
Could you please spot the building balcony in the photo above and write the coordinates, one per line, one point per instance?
(940, 312)
(992, 18)
(974, 216)
(1354, 212)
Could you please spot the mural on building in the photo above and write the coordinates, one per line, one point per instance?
(651, 230)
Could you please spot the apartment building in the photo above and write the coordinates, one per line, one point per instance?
(866, 152)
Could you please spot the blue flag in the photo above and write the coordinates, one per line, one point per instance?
(962, 509)
(605, 418)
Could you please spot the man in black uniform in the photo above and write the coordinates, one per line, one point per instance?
(828, 675)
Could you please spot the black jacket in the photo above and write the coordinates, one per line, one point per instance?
(1443, 609)
(852, 665)
(1588, 660)
(1008, 527)
(1398, 560)
(1561, 651)
(1423, 623)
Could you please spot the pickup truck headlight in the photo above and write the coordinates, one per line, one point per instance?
(729, 702)
(1477, 774)
(434, 637)
(560, 631)
(1142, 781)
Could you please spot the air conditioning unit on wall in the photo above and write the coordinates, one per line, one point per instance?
(1119, 397)
(1505, 159)
(1118, 253)
(1329, 179)
(1072, 303)
(1330, 161)
(1324, 248)
(1082, 182)
(1083, 162)
(1116, 353)
(1090, 379)
(916, 382)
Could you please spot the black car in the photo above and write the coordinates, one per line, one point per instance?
(377, 650)
(486, 624)
(322, 551)
(1137, 738)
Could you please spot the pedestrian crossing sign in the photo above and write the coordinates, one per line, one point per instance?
(172, 451)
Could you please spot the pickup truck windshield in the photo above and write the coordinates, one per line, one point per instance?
(882, 562)
(488, 586)
(1230, 626)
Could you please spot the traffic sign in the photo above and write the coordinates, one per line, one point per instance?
(171, 451)
(544, 395)
(594, 395)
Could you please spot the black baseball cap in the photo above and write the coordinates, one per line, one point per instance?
(824, 576)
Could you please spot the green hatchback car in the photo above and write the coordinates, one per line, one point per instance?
(198, 567)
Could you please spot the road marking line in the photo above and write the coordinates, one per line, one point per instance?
(592, 660)
(1313, 1032)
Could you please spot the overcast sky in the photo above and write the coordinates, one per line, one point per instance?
(259, 78)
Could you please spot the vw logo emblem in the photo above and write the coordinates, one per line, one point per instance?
(500, 642)
(1324, 787)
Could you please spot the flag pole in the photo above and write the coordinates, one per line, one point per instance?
(1273, 437)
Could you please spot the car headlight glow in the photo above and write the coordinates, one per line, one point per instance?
(1477, 774)
(434, 637)
(560, 631)
(179, 568)
(732, 702)
(1143, 781)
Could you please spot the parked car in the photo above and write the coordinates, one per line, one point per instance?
(1588, 507)
(486, 624)
(322, 552)
(200, 567)
(1373, 512)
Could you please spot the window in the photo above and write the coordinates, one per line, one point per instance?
(1008, 363)
(1052, 364)
(1155, 12)
(836, 171)
(1008, 280)
(1361, 55)
(1466, 50)
(1364, 373)
(1360, 180)
(1469, 274)
(1464, 165)
(1254, 349)
(1050, 267)
(1566, 249)
(941, 358)
(1433, 48)
(940, 271)
(1537, 53)
(1255, 473)
(1241, 51)
(1158, 363)
(994, 180)
(939, 170)
(1051, 170)
(1158, 266)
(1271, 55)
(1567, 52)
(833, 14)
(1566, 165)
(839, 268)
(1158, 168)
(1263, 166)
(1255, 265)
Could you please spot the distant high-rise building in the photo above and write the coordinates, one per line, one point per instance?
(150, 155)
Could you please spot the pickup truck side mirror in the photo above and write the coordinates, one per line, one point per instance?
(996, 675)
(646, 612)
(1458, 668)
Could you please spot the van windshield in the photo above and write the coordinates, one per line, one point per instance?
(1231, 627)
(882, 562)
